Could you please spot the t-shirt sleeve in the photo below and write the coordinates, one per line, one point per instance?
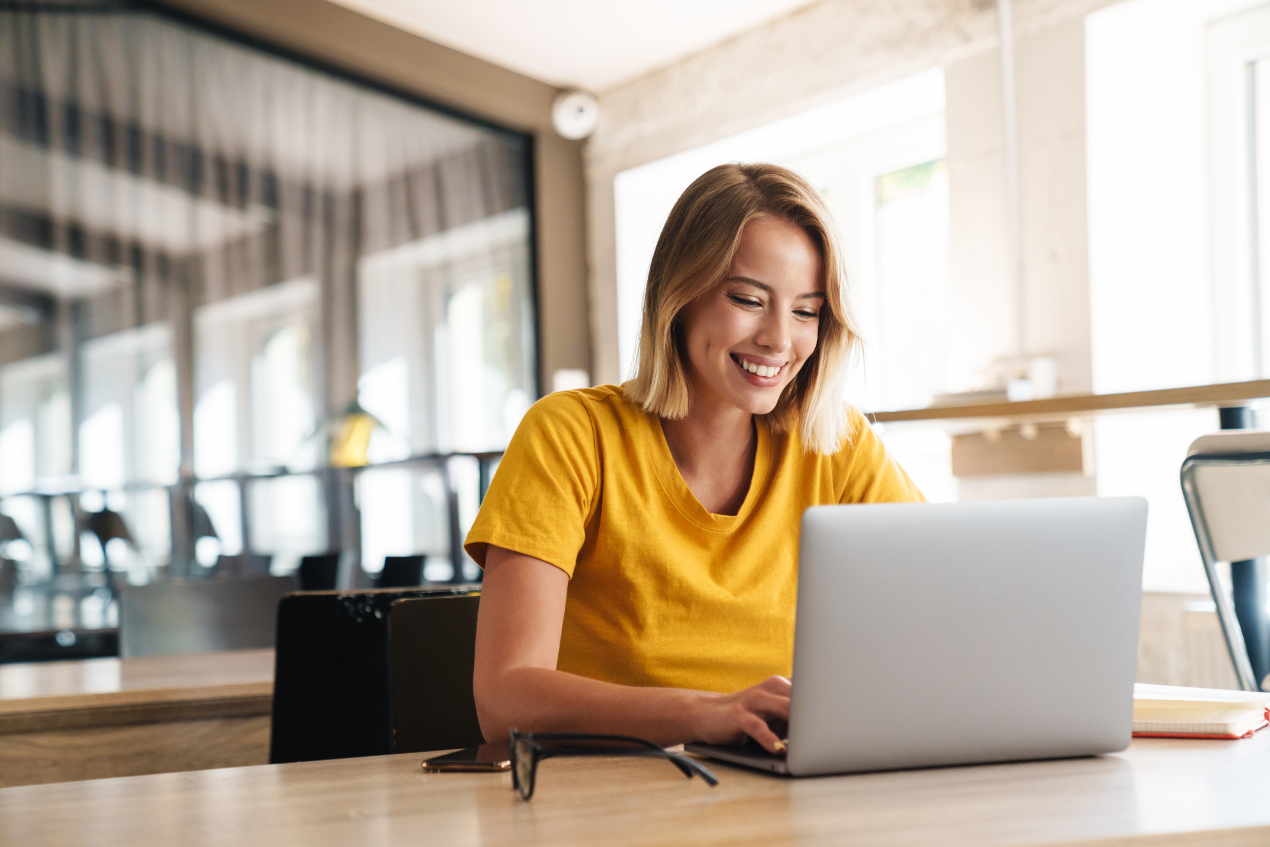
(869, 474)
(545, 488)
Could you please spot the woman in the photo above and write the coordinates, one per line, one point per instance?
(640, 542)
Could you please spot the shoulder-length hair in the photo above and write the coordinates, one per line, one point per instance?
(693, 255)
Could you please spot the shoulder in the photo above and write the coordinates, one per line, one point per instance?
(579, 407)
(858, 436)
(582, 418)
(860, 447)
(865, 469)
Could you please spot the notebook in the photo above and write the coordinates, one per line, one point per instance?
(1169, 711)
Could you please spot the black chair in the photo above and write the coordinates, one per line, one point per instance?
(200, 616)
(8, 578)
(401, 572)
(431, 650)
(55, 646)
(330, 687)
(319, 573)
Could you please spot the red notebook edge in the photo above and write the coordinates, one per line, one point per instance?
(1247, 734)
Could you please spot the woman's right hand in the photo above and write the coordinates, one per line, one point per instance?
(729, 718)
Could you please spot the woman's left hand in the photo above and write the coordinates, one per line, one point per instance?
(729, 718)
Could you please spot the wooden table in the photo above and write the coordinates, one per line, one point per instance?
(119, 717)
(1161, 791)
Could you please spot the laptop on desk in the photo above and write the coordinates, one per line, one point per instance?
(960, 633)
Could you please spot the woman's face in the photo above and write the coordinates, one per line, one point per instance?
(747, 338)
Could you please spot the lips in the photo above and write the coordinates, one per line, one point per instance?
(763, 374)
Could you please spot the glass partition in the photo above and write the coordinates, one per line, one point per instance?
(210, 256)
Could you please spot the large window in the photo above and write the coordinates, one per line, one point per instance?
(209, 256)
(446, 357)
(1174, 111)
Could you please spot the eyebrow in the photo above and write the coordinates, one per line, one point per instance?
(768, 288)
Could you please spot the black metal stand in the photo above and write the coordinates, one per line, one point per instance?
(1249, 580)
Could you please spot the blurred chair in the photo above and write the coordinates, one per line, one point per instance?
(9, 530)
(331, 696)
(8, 578)
(319, 573)
(241, 565)
(58, 645)
(1226, 484)
(200, 616)
(431, 651)
(107, 525)
(8, 567)
(400, 572)
(201, 522)
(256, 564)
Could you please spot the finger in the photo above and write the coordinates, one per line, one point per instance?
(767, 705)
(777, 684)
(757, 729)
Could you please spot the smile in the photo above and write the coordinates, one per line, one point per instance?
(766, 372)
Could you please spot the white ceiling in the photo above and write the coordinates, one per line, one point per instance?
(587, 44)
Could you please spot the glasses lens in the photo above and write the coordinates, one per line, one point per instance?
(523, 763)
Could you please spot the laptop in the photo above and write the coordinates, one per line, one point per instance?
(961, 633)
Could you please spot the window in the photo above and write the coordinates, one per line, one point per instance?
(1238, 75)
(256, 381)
(446, 339)
(911, 220)
(210, 252)
(1172, 103)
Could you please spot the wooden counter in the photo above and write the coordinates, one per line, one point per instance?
(119, 717)
(1159, 792)
(1086, 405)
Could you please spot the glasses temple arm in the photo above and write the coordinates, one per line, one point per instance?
(687, 767)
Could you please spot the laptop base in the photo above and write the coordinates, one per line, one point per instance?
(749, 755)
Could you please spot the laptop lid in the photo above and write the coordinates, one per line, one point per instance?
(954, 633)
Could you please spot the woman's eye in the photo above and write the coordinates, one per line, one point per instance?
(743, 301)
(809, 315)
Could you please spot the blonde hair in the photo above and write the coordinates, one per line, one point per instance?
(693, 255)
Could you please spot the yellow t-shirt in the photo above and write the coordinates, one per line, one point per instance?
(662, 592)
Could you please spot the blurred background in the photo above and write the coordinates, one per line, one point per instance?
(279, 279)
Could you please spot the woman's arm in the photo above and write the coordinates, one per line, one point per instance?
(516, 683)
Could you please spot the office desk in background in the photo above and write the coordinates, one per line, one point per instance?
(98, 718)
(1159, 792)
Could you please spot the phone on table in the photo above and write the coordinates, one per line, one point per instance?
(482, 759)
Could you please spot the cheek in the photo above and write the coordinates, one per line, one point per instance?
(805, 340)
(720, 327)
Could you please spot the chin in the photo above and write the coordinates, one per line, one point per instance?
(760, 404)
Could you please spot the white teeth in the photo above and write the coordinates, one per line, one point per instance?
(759, 370)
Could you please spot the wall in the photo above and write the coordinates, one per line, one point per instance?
(368, 48)
(1049, 73)
(837, 48)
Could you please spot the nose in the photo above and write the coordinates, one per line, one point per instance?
(774, 332)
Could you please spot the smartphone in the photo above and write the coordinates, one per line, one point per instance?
(482, 759)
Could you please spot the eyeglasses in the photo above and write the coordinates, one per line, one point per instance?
(528, 748)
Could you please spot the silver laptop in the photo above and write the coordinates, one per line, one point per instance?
(956, 633)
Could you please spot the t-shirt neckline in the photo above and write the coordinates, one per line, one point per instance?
(673, 484)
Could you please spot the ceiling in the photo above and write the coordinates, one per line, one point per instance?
(587, 44)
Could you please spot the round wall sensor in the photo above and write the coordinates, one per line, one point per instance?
(575, 114)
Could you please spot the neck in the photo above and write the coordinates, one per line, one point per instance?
(710, 437)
